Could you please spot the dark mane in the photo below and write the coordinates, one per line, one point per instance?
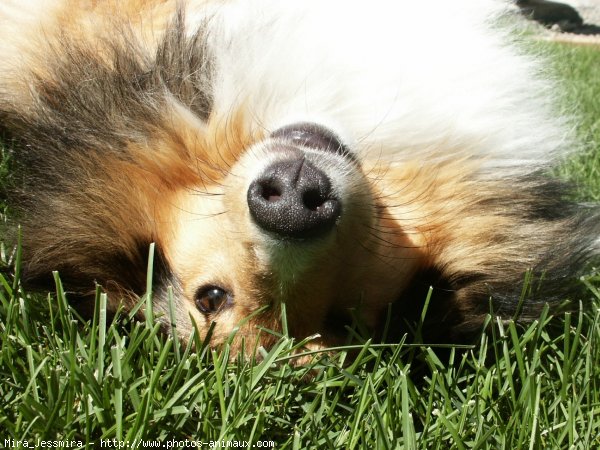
(91, 102)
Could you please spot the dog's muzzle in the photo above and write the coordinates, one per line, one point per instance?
(292, 198)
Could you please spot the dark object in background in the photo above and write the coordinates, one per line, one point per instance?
(549, 13)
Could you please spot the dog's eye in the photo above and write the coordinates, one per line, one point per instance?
(211, 299)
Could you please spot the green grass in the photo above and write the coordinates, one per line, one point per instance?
(579, 69)
(61, 378)
(530, 387)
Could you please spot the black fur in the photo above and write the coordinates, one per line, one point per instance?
(87, 111)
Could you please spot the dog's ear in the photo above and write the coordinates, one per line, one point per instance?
(95, 226)
(101, 141)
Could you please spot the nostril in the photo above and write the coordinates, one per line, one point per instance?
(313, 199)
(270, 192)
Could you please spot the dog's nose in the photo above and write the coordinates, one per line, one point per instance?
(294, 199)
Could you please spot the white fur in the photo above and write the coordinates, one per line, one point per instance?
(397, 79)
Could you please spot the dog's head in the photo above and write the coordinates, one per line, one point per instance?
(294, 220)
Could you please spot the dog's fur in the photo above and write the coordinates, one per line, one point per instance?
(145, 121)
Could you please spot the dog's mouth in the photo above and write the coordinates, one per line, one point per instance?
(314, 136)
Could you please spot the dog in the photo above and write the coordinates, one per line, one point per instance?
(313, 161)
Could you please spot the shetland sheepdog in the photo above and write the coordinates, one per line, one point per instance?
(328, 156)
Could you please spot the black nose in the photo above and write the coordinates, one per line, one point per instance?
(293, 199)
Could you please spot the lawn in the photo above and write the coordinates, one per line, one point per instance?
(579, 68)
(73, 383)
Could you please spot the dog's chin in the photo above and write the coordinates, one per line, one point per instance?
(316, 137)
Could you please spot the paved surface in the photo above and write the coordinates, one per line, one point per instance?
(589, 10)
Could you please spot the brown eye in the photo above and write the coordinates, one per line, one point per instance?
(211, 299)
